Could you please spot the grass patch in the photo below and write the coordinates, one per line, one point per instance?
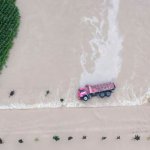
(9, 23)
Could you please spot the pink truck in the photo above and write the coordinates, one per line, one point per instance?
(100, 90)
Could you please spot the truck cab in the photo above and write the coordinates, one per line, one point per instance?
(83, 94)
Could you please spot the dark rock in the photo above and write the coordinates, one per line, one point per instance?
(118, 138)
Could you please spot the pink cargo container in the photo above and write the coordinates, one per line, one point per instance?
(101, 90)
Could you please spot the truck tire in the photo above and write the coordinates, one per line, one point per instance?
(108, 93)
(102, 94)
(85, 98)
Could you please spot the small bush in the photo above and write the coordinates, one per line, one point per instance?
(84, 137)
(20, 141)
(56, 138)
(62, 100)
(136, 137)
(36, 139)
(148, 138)
(12, 93)
(47, 92)
(104, 138)
(1, 141)
(70, 138)
(118, 138)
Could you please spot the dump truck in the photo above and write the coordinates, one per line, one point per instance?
(101, 90)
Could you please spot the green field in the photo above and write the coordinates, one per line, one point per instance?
(9, 23)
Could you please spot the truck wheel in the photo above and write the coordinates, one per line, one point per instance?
(102, 94)
(85, 98)
(108, 93)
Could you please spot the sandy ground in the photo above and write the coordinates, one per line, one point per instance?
(125, 122)
(30, 71)
(47, 53)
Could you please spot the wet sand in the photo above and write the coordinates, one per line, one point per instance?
(47, 54)
(135, 75)
(26, 74)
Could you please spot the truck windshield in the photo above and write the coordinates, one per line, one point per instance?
(81, 90)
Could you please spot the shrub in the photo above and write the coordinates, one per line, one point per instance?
(1, 141)
(137, 137)
(84, 137)
(70, 138)
(9, 23)
(56, 138)
(20, 141)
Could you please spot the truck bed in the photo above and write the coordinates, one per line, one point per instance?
(101, 87)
